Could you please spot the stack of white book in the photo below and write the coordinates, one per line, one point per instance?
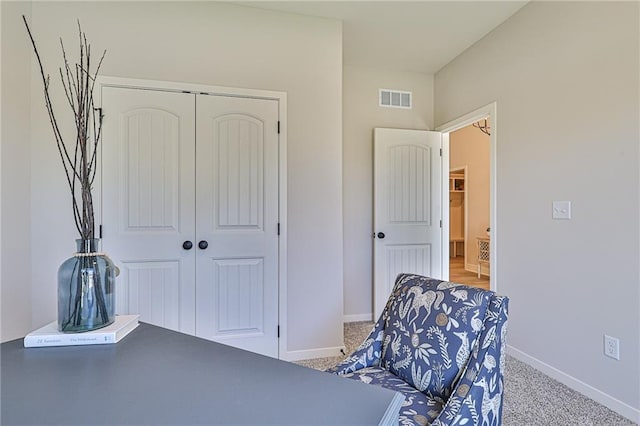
(113, 333)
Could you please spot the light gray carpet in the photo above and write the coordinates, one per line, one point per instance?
(530, 398)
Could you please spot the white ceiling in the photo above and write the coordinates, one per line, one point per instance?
(418, 36)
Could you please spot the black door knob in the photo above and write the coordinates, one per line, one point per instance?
(203, 244)
(381, 235)
(187, 245)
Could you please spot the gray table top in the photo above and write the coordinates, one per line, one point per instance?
(157, 376)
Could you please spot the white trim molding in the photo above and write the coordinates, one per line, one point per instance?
(313, 353)
(171, 86)
(589, 391)
(445, 231)
(358, 317)
(487, 111)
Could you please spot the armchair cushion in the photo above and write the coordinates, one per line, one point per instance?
(417, 409)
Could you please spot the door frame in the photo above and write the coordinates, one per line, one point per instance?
(487, 111)
(281, 98)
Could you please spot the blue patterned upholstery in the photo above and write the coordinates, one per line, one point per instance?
(440, 344)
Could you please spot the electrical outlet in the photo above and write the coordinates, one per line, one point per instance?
(612, 347)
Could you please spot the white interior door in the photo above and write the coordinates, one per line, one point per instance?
(407, 207)
(237, 222)
(148, 198)
(183, 168)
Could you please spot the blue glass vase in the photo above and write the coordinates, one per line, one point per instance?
(86, 289)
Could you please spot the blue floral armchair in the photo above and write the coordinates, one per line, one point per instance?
(440, 344)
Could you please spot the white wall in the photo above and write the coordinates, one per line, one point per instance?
(15, 174)
(470, 147)
(565, 79)
(225, 45)
(361, 115)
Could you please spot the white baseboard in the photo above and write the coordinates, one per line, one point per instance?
(597, 395)
(358, 317)
(313, 353)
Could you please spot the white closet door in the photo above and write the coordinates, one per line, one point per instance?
(237, 217)
(148, 198)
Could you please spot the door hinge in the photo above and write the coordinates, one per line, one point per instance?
(278, 126)
(440, 223)
(440, 152)
(278, 229)
(100, 231)
(278, 332)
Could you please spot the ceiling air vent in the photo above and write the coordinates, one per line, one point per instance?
(395, 98)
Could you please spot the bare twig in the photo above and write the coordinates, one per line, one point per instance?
(78, 84)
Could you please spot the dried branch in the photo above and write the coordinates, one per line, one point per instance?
(78, 84)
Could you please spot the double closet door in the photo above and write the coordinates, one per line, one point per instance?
(190, 212)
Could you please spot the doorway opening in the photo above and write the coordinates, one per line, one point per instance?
(469, 209)
(469, 206)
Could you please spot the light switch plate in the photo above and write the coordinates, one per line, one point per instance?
(561, 210)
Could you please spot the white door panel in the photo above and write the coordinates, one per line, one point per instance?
(148, 197)
(407, 207)
(237, 215)
(201, 168)
(149, 289)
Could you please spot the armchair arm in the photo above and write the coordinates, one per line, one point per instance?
(367, 354)
(477, 397)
